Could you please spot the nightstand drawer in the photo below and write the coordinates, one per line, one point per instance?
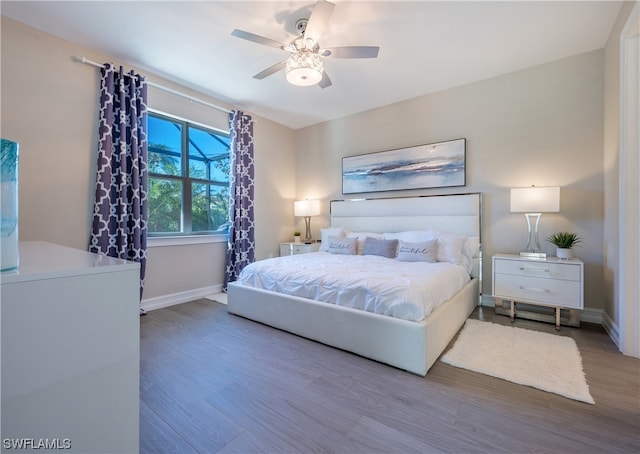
(297, 248)
(300, 249)
(553, 292)
(546, 270)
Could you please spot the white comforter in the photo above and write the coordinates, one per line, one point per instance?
(406, 290)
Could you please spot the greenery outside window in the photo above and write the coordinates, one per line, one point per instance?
(188, 186)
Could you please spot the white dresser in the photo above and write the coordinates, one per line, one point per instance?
(548, 282)
(70, 351)
(293, 248)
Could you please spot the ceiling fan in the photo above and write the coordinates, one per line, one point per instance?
(304, 65)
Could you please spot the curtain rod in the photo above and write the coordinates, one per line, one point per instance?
(86, 61)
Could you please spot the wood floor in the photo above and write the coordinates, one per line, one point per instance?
(213, 382)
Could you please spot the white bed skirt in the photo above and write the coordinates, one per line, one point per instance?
(411, 346)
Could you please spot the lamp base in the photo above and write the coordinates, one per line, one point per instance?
(307, 221)
(532, 249)
(533, 254)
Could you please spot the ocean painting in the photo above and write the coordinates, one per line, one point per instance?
(435, 165)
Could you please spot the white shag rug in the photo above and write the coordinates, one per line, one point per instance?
(545, 361)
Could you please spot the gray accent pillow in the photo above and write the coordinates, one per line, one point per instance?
(342, 245)
(426, 251)
(383, 248)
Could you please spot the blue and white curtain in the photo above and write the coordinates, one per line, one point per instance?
(120, 209)
(241, 246)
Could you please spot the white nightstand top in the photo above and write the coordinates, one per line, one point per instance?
(301, 243)
(530, 259)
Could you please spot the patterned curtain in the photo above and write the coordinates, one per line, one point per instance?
(120, 208)
(241, 247)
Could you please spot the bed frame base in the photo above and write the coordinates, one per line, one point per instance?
(411, 346)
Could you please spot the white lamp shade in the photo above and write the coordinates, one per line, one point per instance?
(306, 207)
(535, 200)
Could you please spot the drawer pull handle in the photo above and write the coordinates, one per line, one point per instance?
(540, 290)
(545, 270)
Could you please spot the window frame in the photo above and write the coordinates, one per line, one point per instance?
(186, 235)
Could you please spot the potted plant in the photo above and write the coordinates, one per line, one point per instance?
(296, 236)
(563, 242)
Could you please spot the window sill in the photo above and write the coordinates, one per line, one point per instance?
(161, 241)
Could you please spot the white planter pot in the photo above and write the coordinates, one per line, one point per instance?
(564, 253)
(296, 239)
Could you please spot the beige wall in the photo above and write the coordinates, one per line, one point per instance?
(49, 106)
(542, 126)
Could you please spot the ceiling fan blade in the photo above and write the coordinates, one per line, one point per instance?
(318, 22)
(350, 52)
(270, 70)
(257, 39)
(325, 81)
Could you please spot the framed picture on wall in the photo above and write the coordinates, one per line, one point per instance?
(435, 165)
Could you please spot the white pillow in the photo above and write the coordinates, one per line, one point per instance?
(326, 233)
(469, 251)
(415, 236)
(361, 236)
(450, 246)
(467, 263)
(418, 252)
(471, 246)
(341, 245)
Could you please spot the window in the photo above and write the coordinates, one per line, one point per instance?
(188, 186)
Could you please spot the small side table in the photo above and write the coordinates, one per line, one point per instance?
(292, 248)
(550, 282)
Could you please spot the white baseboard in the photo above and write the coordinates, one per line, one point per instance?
(587, 315)
(159, 302)
(611, 328)
(487, 301)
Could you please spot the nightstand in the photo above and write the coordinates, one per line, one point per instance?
(549, 282)
(293, 248)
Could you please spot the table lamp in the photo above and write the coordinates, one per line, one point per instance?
(533, 202)
(307, 208)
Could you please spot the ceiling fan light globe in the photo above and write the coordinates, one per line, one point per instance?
(304, 77)
(303, 68)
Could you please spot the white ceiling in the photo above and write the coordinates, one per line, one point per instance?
(425, 46)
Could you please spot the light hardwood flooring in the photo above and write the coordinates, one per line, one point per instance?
(213, 382)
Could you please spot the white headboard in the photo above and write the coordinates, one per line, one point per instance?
(458, 213)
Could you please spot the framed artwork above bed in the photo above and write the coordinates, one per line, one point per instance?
(435, 165)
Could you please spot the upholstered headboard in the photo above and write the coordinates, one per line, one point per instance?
(457, 213)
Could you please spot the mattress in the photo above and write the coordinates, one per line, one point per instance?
(405, 290)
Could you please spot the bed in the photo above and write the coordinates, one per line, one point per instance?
(407, 344)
